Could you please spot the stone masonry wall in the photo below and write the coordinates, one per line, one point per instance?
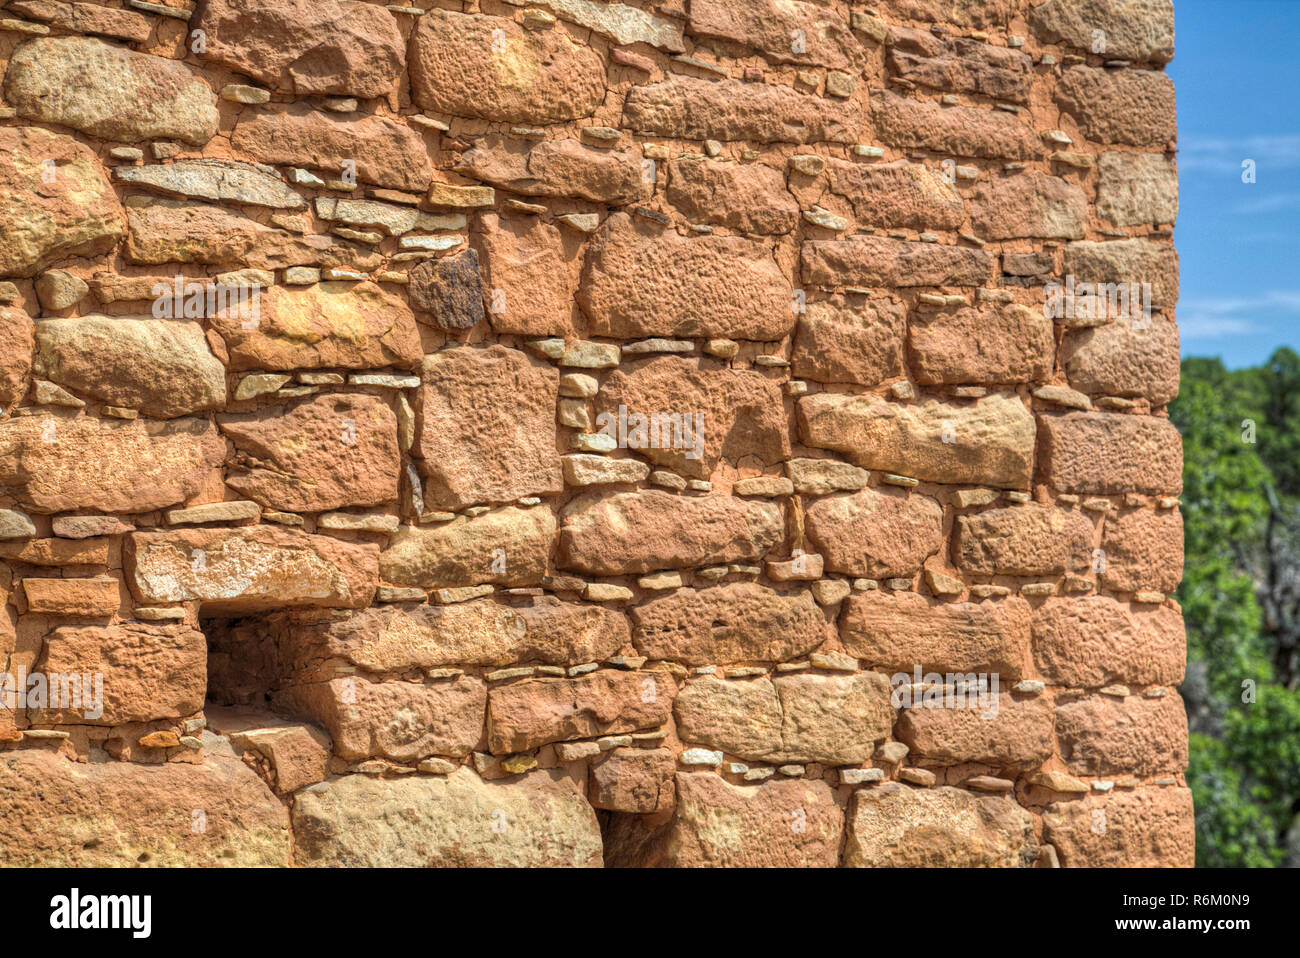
(539, 432)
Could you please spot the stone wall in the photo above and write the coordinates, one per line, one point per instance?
(572, 432)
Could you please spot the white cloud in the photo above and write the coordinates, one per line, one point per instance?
(1217, 317)
(1223, 155)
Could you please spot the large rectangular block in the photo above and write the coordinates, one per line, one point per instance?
(524, 715)
(1102, 453)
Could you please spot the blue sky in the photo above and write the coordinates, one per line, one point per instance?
(1237, 74)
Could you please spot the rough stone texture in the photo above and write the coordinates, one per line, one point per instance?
(691, 108)
(1130, 357)
(943, 827)
(1143, 551)
(524, 715)
(55, 465)
(779, 824)
(505, 546)
(1143, 828)
(1134, 29)
(1137, 188)
(879, 533)
(245, 570)
(1104, 453)
(989, 441)
(149, 672)
(898, 194)
(1128, 107)
(109, 91)
(43, 221)
(1101, 735)
(329, 324)
(490, 67)
(877, 261)
(1030, 539)
(743, 416)
(626, 409)
(58, 813)
(896, 632)
(740, 622)
(746, 198)
(990, 344)
(395, 720)
(992, 730)
(835, 719)
(644, 531)
(1095, 641)
(327, 452)
(163, 368)
(487, 427)
(17, 340)
(384, 151)
(1029, 204)
(555, 168)
(445, 821)
(643, 281)
(956, 131)
(305, 46)
(841, 343)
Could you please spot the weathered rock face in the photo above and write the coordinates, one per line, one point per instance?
(721, 414)
(57, 465)
(741, 622)
(644, 531)
(69, 211)
(485, 418)
(538, 821)
(490, 67)
(641, 281)
(328, 452)
(109, 91)
(779, 824)
(329, 324)
(990, 441)
(878, 533)
(507, 546)
(161, 367)
(305, 47)
(941, 827)
(580, 432)
(59, 813)
(244, 570)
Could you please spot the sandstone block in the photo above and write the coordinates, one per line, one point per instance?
(840, 343)
(643, 281)
(109, 91)
(163, 368)
(961, 64)
(487, 427)
(179, 231)
(556, 168)
(305, 47)
(878, 261)
(61, 813)
(326, 452)
(98, 598)
(1029, 204)
(956, 131)
(531, 270)
(898, 631)
(633, 780)
(748, 198)
(1104, 453)
(1029, 539)
(1094, 641)
(1128, 107)
(451, 288)
(990, 729)
(249, 569)
(1102, 735)
(1129, 357)
(1134, 189)
(524, 715)
(898, 194)
(1133, 29)
(1142, 828)
(446, 821)
(508, 546)
(988, 442)
(1143, 551)
(739, 622)
(59, 465)
(1015, 345)
(878, 533)
(635, 532)
(17, 341)
(939, 827)
(1125, 262)
(490, 67)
